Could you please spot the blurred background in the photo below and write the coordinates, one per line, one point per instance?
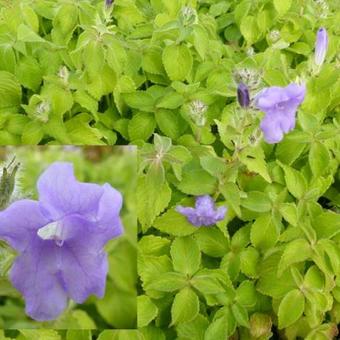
(97, 164)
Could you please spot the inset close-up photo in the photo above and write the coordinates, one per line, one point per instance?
(68, 237)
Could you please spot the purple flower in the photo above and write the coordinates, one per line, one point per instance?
(60, 240)
(243, 95)
(321, 46)
(204, 213)
(280, 105)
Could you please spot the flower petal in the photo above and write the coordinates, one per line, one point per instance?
(107, 218)
(20, 222)
(34, 274)
(61, 194)
(83, 270)
(271, 129)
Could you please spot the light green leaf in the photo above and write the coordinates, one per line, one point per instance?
(212, 242)
(318, 158)
(256, 201)
(174, 223)
(291, 308)
(296, 251)
(264, 233)
(167, 282)
(141, 126)
(185, 307)
(178, 61)
(186, 256)
(147, 310)
(282, 7)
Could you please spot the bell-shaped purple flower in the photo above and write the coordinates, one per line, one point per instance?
(321, 46)
(280, 105)
(205, 213)
(243, 95)
(60, 239)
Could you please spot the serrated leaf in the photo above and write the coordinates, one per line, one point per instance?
(186, 255)
(264, 233)
(178, 61)
(173, 223)
(291, 308)
(147, 310)
(185, 307)
(296, 251)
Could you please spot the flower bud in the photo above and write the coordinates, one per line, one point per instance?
(260, 325)
(197, 112)
(188, 16)
(42, 111)
(321, 46)
(7, 183)
(243, 95)
(108, 3)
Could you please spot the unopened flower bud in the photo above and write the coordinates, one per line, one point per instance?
(260, 325)
(243, 95)
(197, 112)
(321, 46)
(43, 110)
(188, 16)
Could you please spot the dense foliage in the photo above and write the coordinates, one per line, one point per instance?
(118, 308)
(164, 75)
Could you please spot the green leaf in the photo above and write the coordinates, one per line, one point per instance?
(256, 201)
(219, 328)
(140, 100)
(318, 159)
(178, 61)
(206, 283)
(167, 282)
(86, 101)
(185, 307)
(327, 224)
(291, 308)
(231, 194)
(212, 242)
(154, 245)
(296, 251)
(194, 329)
(254, 159)
(186, 256)
(282, 7)
(29, 73)
(240, 314)
(295, 181)
(249, 259)
(249, 29)
(141, 126)
(26, 34)
(196, 181)
(40, 334)
(10, 92)
(264, 233)
(151, 201)
(213, 165)
(78, 334)
(147, 310)
(174, 223)
(269, 283)
(169, 123)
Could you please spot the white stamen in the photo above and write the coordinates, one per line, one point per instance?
(52, 231)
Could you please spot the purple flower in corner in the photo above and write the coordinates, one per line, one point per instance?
(243, 95)
(60, 240)
(321, 46)
(205, 213)
(280, 105)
